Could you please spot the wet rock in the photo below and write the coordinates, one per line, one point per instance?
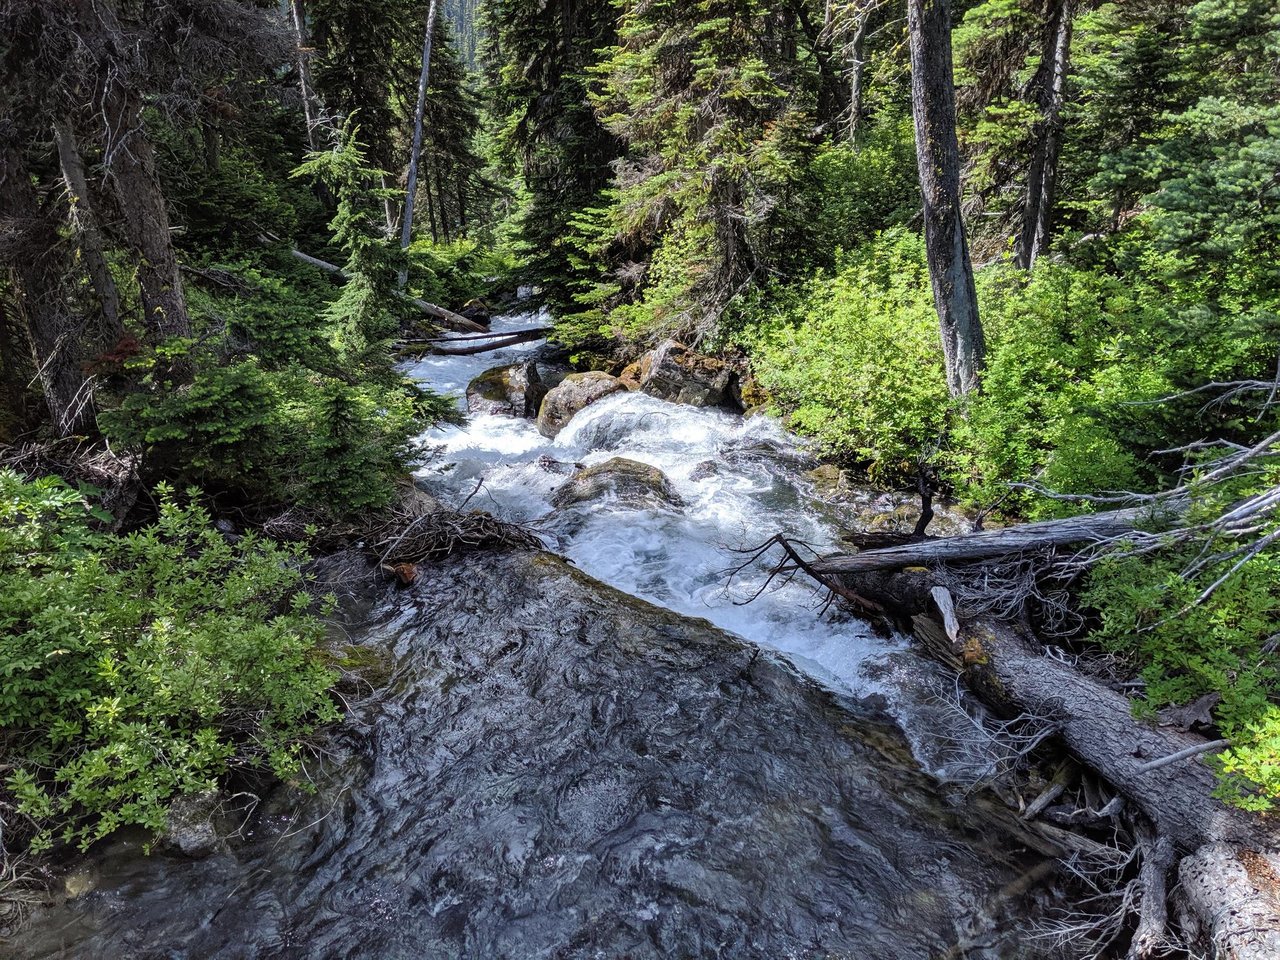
(514, 390)
(478, 311)
(828, 480)
(633, 374)
(678, 374)
(190, 827)
(629, 482)
(747, 392)
(576, 392)
(704, 470)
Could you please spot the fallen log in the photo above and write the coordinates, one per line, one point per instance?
(1235, 896)
(986, 544)
(1159, 771)
(447, 318)
(499, 341)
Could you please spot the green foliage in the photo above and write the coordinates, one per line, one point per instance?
(1152, 616)
(139, 668)
(464, 270)
(854, 359)
(860, 192)
(364, 317)
(715, 119)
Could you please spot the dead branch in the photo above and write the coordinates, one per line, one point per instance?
(447, 318)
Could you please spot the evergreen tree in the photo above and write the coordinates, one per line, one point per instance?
(536, 59)
(716, 112)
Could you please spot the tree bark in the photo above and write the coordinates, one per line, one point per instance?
(933, 108)
(37, 260)
(129, 159)
(986, 544)
(1237, 894)
(310, 106)
(1042, 177)
(854, 56)
(85, 220)
(441, 198)
(406, 229)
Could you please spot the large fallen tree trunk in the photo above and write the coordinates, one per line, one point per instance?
(1158, 771)
(985, 544)
(447, 318)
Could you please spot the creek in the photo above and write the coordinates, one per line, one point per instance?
(615, 756)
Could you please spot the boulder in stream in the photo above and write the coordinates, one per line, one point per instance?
(629, 482)
(576, 392)
(515, 390)
(675, 373)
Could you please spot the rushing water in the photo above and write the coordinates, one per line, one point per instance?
(550, 768)
(739, 482)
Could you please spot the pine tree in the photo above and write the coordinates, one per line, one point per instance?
(716, 112)
(536, 58)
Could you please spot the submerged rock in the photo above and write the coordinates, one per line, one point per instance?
(190, 827)
(629, 482)
(576, 392)
(676, 373)
(557, 769)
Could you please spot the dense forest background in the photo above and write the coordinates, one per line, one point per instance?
(744, 176)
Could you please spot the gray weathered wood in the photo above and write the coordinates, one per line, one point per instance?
(933, 108)
(1237, 905)
(986, 544)
(411, 189)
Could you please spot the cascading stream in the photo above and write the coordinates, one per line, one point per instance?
(536, 766)
(739, 482)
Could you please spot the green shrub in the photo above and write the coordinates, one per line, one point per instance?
(1184, 649)
(139, 668)
(854, 359)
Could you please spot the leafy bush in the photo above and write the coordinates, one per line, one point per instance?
(854, 359)
(140, 668)
(1152, 617)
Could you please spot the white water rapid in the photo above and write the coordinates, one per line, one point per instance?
(741, 481)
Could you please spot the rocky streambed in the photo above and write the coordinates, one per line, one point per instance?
(607, 755)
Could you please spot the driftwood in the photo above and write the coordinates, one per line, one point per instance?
(447, 318)
(469, 346)
(1236, 897)
(986, 544)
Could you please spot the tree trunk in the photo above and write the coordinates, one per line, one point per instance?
(933, 107)
(85, 220)
(36, 257)
(1042, 176)
(854, 55)
(129, 159)
(1248, 884)
(441, 202)
(986, 544)
(310, 107)
(406, 229)
(431, 216)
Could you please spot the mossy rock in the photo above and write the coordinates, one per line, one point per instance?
(632, 483)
